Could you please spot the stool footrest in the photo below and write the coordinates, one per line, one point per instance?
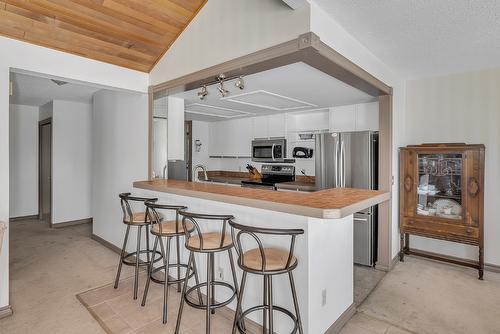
(171, 265)
(245, 313)
(128, 262)
(201, 305)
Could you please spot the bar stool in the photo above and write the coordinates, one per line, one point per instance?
(207, 243)
(168, 230)
(139, 220)
(267, 262)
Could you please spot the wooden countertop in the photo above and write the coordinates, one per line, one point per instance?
(328, 203)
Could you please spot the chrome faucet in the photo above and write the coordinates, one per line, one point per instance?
(165, 172)
(203, 168)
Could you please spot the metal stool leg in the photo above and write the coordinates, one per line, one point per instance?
(196, 280)
(235, 282)
(150, 269)
(122, 255)
(137, 256)
(240, 298)
(213, 280)
(147, 243)
(177, 242)
(270, 299)
(166, 261)
(264, 310)
(295, 303)
(184, 287)
(209, 292)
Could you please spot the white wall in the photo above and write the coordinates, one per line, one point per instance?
(71, 161)
(333, 34)
(119, 157)
(461, 108)
(23, 160)
(46, 110)
(224, 30)
(29, 57)
(200, 132)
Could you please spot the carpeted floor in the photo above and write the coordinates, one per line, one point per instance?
(435, 298)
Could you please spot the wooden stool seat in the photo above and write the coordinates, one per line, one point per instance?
(211, 240)
(168, 228)
(138, 218)
(275, 258)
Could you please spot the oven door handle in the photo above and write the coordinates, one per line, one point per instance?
(272, 152)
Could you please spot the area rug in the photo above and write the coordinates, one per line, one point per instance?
(118, 313)
(429, 297)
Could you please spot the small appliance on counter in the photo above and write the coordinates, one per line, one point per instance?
(302, 152)
(272, 174)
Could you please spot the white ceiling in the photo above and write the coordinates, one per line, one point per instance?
(424, 37)
(295, 87)
(36, 91)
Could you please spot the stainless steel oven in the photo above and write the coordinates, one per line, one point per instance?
(269, 150)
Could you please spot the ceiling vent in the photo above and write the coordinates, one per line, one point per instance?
(209, 110)
(264, 99)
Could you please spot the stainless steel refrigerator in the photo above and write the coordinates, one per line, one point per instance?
(350, 160)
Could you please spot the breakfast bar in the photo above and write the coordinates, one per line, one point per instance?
(324, 276)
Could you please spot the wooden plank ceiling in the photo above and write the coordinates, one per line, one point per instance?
(129, 33)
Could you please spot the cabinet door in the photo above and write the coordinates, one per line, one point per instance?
(242, 135)
(215, 140)
(276, 125)
(408, 183)
(367, 116)
(260, 127)
(473, 192)
(175, 132)
(343, 119)
(238, 133)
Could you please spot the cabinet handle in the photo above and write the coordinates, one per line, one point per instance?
(469, 230)
(410, 222)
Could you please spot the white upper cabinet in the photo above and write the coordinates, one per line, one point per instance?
(356, 117)
(367, 116)
(260, 127)
(175, 128)
(269, 126)
(230, 138)
(342, 119)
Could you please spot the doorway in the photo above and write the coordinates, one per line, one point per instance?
(45, 170)
(183, 169)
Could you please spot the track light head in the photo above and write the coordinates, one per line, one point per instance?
(203, 92)
(240, 83)
(224, 92)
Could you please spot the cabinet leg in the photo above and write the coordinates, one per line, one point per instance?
(401, 247)
(481, 262)
(407, 243)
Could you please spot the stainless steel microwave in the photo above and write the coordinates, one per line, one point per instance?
(269, 150)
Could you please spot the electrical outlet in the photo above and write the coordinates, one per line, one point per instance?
(323, 297)
(220, 273)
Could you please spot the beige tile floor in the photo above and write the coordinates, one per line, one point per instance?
(50, 267)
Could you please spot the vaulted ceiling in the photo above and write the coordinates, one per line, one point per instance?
(129, 33)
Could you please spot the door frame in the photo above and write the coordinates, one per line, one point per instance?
(309, 48)
(47, 121)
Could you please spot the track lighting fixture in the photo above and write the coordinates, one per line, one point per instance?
(240, 83)
(203, 92)
(224, 92)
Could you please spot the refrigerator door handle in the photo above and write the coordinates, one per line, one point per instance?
(337, 164)
(342, 167)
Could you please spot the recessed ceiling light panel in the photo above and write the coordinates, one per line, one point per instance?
(268, 100)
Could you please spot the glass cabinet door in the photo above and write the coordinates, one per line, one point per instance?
(439, 189)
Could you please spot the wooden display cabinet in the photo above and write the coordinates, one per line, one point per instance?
(441, 197)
